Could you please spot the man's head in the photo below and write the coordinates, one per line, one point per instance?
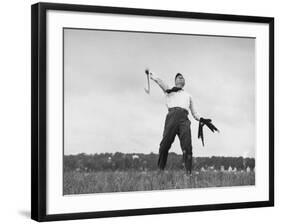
(179, 80)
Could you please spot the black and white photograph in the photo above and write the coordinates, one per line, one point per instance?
(151, 111)
(138, 111)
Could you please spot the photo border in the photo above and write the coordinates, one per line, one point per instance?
(39, 110)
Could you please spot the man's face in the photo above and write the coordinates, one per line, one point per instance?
(180, 81)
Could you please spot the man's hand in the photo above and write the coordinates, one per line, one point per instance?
(205, 121)
(153, 76)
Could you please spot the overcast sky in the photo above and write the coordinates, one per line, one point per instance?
(106, 108)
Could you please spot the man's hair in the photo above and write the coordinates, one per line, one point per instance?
(178, 74)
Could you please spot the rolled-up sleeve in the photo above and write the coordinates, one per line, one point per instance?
(193, 109)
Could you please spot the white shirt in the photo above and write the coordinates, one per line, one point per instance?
(182, 99)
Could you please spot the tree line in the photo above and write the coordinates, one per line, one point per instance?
(148, 162)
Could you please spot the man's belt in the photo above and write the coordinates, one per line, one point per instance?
(208, 123)
(177, 108)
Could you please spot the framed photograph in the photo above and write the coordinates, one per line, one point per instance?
(144, 111)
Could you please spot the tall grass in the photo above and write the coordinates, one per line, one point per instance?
(124, 181)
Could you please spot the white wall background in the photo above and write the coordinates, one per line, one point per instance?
(15, 110)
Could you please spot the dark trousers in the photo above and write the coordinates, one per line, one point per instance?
(176, 123)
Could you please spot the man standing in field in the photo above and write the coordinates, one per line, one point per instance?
(179, 103)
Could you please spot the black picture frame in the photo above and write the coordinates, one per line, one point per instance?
(39, 121)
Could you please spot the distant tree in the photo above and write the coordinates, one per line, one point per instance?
(140, 161)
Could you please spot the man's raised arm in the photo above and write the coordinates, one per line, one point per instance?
(159, 81)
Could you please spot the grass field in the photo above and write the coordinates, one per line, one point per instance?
(123, 181)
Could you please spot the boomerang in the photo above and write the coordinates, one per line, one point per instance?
(148, 82)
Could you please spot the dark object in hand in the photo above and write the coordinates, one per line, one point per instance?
(147, 71)
(208, 123)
